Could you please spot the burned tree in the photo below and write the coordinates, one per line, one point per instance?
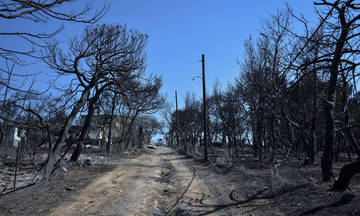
(143, 99)
(41, 12)
(16, 87)
(103, 55)
(341, 34)
(37, 12)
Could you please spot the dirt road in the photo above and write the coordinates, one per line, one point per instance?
(159, 182)
(162, 182)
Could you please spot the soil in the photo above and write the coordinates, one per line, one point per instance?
(162, 182)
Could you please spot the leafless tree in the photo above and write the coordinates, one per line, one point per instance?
(103, 54)
(341, 31)
(42, 12)
(17, 88)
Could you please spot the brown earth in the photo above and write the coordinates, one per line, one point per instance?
(162, 182)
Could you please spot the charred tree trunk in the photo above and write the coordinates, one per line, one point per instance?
(77, 151)
(254, 133)
(354, 143)
(272, 145)
(311, 146)
(87, 123)
(311, 149)
(129, 132)
(235, 143)
(337, 149)
(328, 151)
(111, 122)
(55, 151)
(2, 133)
(259, 134)
(141, 136)
(346, 173)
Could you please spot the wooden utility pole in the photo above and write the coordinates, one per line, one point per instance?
(204, 107)
(177, 120)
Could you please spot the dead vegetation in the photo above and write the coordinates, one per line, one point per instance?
(183, 185)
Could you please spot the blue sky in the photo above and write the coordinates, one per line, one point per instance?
(179, 32)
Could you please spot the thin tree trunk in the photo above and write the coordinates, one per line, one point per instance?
(346, 146)
(129, 131)
(235, 143)
(111, 122)
(55, 152)
(87, 123)
(349, 132)
(17, 162)
(259, 134)
(141, 137)
(84, 130)
(312, 144)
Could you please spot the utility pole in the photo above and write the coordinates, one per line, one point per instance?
(177, 120)
(204, 107)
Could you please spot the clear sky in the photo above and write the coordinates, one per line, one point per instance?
(179, 32)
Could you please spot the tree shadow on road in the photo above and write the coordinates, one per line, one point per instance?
(199, 207)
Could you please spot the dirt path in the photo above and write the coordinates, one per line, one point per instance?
(162, 182)
(140, 186)
(157, 183)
